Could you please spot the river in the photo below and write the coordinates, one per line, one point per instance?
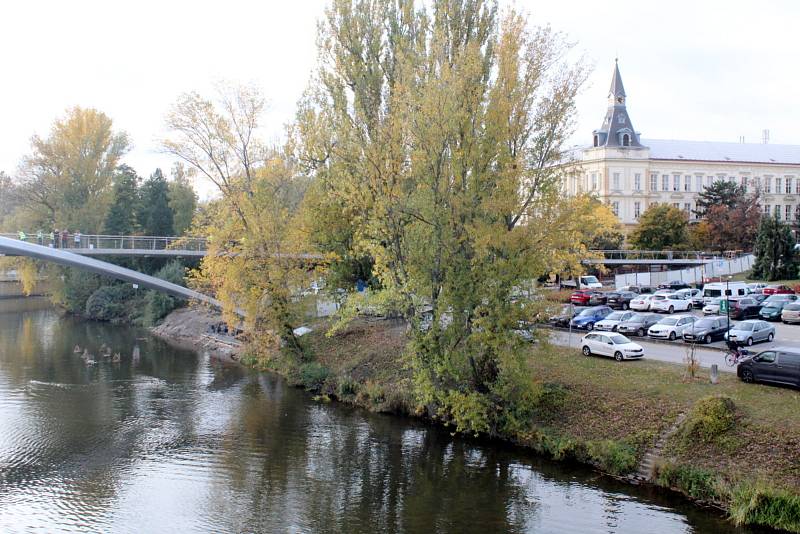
(167, 440)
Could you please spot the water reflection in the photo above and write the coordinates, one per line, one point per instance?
(166, 440)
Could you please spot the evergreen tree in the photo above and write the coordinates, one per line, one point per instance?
(182, 199)
(776, 258)
(155, 216)
(661, 227)
(121, 218)
(719, 193)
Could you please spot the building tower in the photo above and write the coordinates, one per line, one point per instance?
(617, 129)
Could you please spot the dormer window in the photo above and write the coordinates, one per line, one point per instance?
(596, 140)
(626, 140)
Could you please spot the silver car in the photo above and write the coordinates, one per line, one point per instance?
(613, 320)
(671, 327)
(752, 331)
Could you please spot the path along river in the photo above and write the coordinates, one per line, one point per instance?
(167, 440)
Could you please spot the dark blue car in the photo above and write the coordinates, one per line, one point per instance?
(585, 320)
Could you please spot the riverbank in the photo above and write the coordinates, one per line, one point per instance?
(192, 328)
(732, 445)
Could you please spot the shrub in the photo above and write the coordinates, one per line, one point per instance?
(313, 375)
(157, 304)
(695, 482)
(757, 505)
(709, 418)
(109, 303)
(347, 387)
(612, 456)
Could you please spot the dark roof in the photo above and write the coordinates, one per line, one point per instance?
(617, 88)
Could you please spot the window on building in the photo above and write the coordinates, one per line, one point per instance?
(778, 211)
(665, 182)
(788, 212)
(732, 179)
(757, 184)
(676, 205)
(745, 184)
(626, 139)
(637, 209)
(653, 182)
(687, 183)
(615, 183)
(768, 184)
(687, 207)
(767, 209)
(699, 182)
(676, 182)
(615, 208)
(595, 141)
(637, 182)
(797, 187)
(788, 187)
(778, 185)
(709, 180)
(797, 213)
(594, 181)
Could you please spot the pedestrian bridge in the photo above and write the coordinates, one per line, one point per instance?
(119, 245)
(72, 257)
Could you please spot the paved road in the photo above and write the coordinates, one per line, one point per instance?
(665, 352)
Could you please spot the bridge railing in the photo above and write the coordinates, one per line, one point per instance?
(658, 254)
(113, 242)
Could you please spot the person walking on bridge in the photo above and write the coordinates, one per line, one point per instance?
(52, 238)
(40, 236)
(77, 240)
(22, 236)
(64, 239)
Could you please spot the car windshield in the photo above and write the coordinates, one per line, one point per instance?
(712, 292)
(589, 280)
(744, 327)
(792, 307)
(616, 316)
(715, 301)
(638, 318)
(703, 323)
(619, 340)
(586, 313)
(669, 321)
(658, 297)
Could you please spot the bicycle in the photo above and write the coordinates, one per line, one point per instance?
(734, 356)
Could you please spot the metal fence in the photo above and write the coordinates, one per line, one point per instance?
(112, 242)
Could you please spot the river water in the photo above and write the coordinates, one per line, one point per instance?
(167, 440)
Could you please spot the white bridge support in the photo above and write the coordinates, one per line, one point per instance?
(14, 247)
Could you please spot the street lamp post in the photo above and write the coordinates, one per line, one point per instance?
(728, 301)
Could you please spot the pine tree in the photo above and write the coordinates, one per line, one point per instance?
(776, 258)
(182, 199)
(121, 218)
(719, 193)
(155, 216)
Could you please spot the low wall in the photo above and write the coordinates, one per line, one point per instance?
(711, 269)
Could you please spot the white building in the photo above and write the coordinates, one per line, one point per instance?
(630, 174)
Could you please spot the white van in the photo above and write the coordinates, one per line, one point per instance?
(584, 282)
(717, 289)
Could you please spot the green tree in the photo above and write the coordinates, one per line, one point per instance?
(121, 218)
(154, 214)
(776, 258)
(66, 181)
(719, 193)
(182, 199)
(439, 132)
(661, 227)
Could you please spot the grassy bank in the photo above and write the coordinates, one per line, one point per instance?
(736, 446)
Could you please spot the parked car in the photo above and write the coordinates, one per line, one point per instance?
(586, 319)
(674, 285)
(744, 308)
(587, 297)
(771, 311)
(706, 330)
(641, 303)
(620, 299)
(639, 290)
(759, 297)
(720, 289)
(777, 289)
(584, 282)
(612, 320)
(780, 297)
(694, 295)
(791, 313)
(617, 346)
(781, 365)
(565, 315)
(638, 324)
(756, 287)
(712, 307)
(749, 332)
(670, 303)
(671, 327)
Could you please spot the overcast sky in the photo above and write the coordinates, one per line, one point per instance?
(709, 70)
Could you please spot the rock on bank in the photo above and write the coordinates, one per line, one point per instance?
(193, 328)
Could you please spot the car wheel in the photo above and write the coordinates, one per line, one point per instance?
(707, 339)
(771, 336)
(749, 342)
(590, 326)
(671, 310)
(624, 306)
(640, 332)
(672, 336)
(586, 351)
(747, 376)
(618, 356)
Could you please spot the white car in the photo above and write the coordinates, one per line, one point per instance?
(670, 303)
(612, 320)
(617, 346)
(671, 327)
(641, 303)
(695, 296)
(712, 308)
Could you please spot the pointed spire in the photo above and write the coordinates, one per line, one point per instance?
(616, 82)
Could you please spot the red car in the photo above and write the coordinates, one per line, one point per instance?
(587, 297)
(777, 290)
